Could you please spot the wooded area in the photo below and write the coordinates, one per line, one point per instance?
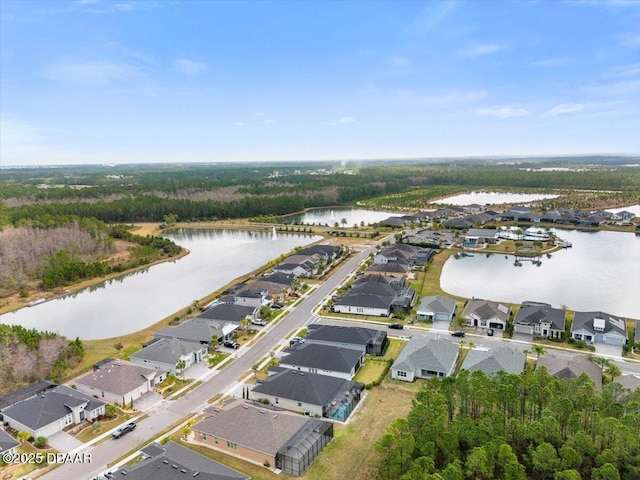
(516, 427)
(27, 355)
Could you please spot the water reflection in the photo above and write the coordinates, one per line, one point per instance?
(331, 216)
(132, 302)
(600, 272)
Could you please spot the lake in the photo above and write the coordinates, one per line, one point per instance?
(492, 198)
(329, 216)
(135, 301)
(600, 272)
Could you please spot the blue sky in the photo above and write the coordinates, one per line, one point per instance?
(129, 81)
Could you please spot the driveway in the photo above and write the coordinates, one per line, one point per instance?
(63, 442)
(148, 400)
(441, 325)
(608, 350)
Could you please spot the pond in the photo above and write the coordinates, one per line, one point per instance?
(601, 272)
(329, 216)
(135, 301)
(492, 198)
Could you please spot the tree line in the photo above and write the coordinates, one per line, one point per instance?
(28, 355)
(516, 427)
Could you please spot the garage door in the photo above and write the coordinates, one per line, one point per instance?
(614, 341)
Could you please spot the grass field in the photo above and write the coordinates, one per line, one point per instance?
(370, 372)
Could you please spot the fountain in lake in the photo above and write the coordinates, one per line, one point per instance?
(274, 235)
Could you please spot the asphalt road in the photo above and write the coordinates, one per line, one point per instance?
(167, 412)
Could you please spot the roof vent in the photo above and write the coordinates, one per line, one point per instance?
(195, 474)
(165, 461)
(246, 407)
(275, 416)
(262, 411)
(183, 470)
(174, 466)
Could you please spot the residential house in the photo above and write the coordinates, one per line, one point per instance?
(304, 269)
(436, 308)
(225, 313)
(457, 223)
(571, 367)
(164, 354)
(599, 327)
(636, 336)
(380, 278)
(49, 412)
(495, 360)
(172, 461)
(368, 340)
(201, 330)
(425, 357)
(310, 393)
(592, 221)
(486, 314)
(394, 269)
(394, 222)
(8, 444)
(328, 252)
(253, 297)
(540, 320)
(477, 237)
(330, 360)
(422, 256)
(375, 299)
(631, 383)
(23, 393)
(264, 435)
(118, 381)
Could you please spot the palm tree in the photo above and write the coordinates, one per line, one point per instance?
(603, 362)
(181, 365)
(538, 350)
(23, 436)
(613, 370)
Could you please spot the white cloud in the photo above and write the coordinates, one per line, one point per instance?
(624, 71)
(481, 49)
(239, 124)
(629, 40)
(400, 61)
(503, 112)
(564, 108)
(92, 72)
(549, 63)
(430, 16)
(189, 67)
(347, 120)
(451, 98)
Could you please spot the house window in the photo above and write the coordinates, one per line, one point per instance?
(215, 440)
(299, 404)
(232, 445)
(203, 436)
(401, 374)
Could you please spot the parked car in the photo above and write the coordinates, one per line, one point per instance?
(396, 326)
(231, 344)
(259, 321)
(458, 334)
(490, 332)
(124, 429)
(277, 306)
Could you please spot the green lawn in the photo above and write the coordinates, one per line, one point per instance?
(88, 434)
(394, 348)
(174, 384)
(217, 357)
(370, 372)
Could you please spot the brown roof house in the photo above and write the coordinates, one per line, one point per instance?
(486, 314)
(571, 367)
(264, 435)
(117, 381)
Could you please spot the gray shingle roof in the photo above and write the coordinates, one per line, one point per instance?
(339, 334)
(118, 376)
(485, 309)
(310, 388)
(7, 442)
(198, 330)
(571, 367)
(438, 304)
(533, 313)
(227, 312)
(391, 267)
(325, 357)
(584, 320)
(48, 407)
(278, 277)
(254, 427)
(167, 350)
(176, 462)
(493, 361)
(425, 353)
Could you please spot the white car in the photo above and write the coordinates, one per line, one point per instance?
(259, 321)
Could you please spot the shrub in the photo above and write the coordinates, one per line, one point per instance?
(40, 442)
